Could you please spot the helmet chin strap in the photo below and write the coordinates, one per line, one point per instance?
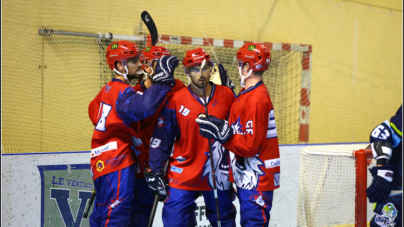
(124, 74)
(244, 77)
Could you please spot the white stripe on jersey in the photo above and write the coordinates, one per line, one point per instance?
(271, 132)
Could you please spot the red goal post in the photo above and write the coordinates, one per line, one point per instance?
(332, 185)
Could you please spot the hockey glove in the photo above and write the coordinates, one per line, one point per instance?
(212, 127)
(224, 77)
(156, 183)
(165, 70)
(381, 185)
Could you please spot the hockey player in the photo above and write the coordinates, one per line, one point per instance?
(189, 171)
(386, 188)
(143, 198)
(251, 139)
(117, 105)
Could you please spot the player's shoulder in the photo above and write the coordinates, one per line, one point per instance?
(224, 90)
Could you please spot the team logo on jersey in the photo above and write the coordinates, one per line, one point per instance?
(246, 171)
(251, 47)
(114, 46)
(220, 156)
(136, 141)
(160, 122)
(389, 214)
(100, 165)
(237, 127)
(107, 88)
(260, 200)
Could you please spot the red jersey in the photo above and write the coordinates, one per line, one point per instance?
(117, 105)
(190, 167)
(254, 149)
(145, 127)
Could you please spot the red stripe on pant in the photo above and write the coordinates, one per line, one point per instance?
(117, 197)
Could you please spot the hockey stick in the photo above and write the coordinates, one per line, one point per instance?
(89, 203)
(212, 164)
(151, 26)
(156, 200)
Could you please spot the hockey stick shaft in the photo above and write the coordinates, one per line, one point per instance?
(212, 164)
(155, 202)
(151, 26)
(89, 203)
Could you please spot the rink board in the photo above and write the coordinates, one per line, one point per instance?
(52, 189)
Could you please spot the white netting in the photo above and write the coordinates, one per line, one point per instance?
(327, 186)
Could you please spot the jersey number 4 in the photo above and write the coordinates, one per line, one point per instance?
(105, 109)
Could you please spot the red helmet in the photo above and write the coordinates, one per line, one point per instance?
(256, 54)
(121, 51)
(195, 57)
(154, 53)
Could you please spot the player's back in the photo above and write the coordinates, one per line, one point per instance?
(110, 144)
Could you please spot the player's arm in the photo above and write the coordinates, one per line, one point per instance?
(94, 109)
(135, 106)
(163, 138)
(255, 129)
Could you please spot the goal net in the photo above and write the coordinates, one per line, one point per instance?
(332, 184)
(72, 68)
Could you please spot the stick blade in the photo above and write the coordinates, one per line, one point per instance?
(151, 26)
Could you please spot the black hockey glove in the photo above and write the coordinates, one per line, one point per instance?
(156, 183)
(381, 185)
(224, 77)
(165, 70)
(212, 127)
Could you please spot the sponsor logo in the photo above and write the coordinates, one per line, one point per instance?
(115, 161)
(100, 165)
(251, 47)
(268, 60)
(249, 56)
(160, 74)
(249, 127)
(147, 49)
(272, 163)
(114, 204)
(147, 18)
(113, 55)
(114, 46)
(107, 147)
(277, 177)
(160, 122)
(136, 141)
(258, 66)
(176, 169)
(199, 57)
(155, 142)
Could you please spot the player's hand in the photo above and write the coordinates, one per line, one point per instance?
(381, 185)
(165, 70)
(212, 127)
(156, 183)
(224, 77)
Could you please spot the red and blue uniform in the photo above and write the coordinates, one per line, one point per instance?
(114, 146)
(254, 154)
(143, 198)
(189, 171)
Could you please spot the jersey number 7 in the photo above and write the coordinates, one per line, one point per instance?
(105, 109)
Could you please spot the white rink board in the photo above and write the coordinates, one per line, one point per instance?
(21, 188)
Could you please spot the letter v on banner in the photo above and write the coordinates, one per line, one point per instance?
(61, 197)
